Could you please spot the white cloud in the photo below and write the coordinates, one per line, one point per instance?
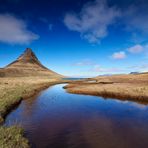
(140, 67)
(93, 20)
(98, 68)
(136, 49)
(84, 63)
(134, 17)
(119, 55)
(14, 30)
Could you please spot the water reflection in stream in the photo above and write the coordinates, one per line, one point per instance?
(57, 119)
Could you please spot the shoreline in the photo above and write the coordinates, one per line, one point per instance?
(107, 95)
(16, 90)
(114, 91)
(32, 93)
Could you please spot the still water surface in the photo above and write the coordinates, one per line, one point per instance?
(57, 119)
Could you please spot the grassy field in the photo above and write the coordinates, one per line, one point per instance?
(12, 91)
(12, 137)
(125, 87)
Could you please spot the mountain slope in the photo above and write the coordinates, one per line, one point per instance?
(27, 65)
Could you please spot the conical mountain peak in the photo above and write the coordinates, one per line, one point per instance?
(28, 56)
(28, 51)
(27, 64)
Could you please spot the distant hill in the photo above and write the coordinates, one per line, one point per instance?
(27, 65)
(124, 78)
(135, 72)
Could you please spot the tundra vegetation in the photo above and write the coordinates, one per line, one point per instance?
(26, 76)
(12, 91)
(126, 87)
(21, 79)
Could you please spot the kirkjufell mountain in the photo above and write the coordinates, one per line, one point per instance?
(27, 65)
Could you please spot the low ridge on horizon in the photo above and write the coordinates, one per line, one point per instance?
(27, 64)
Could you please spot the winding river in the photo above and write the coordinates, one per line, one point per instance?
(57, 119)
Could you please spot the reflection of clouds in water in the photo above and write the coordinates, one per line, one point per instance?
(140, 106)
(134, 104)
(58, 119)
(121, 101)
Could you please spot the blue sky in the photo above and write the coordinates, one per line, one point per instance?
(77, 37)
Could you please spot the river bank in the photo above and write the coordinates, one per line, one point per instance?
(55, 119)
(124, 87)
(12, 91)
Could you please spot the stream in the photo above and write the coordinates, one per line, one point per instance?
(57, 119)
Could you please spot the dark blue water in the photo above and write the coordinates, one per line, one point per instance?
(57, 119)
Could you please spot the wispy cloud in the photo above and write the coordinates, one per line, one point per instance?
(98, 68)
(119, 55)
(141, 67)
(136, 16)
(92, 68)
(136, 49)
(46, 22)
(95, 17)
(14, 30)
(84, 63)
(93, 20)
(50, 27)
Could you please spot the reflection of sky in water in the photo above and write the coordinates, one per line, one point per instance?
(135, 104)
(59, 119)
